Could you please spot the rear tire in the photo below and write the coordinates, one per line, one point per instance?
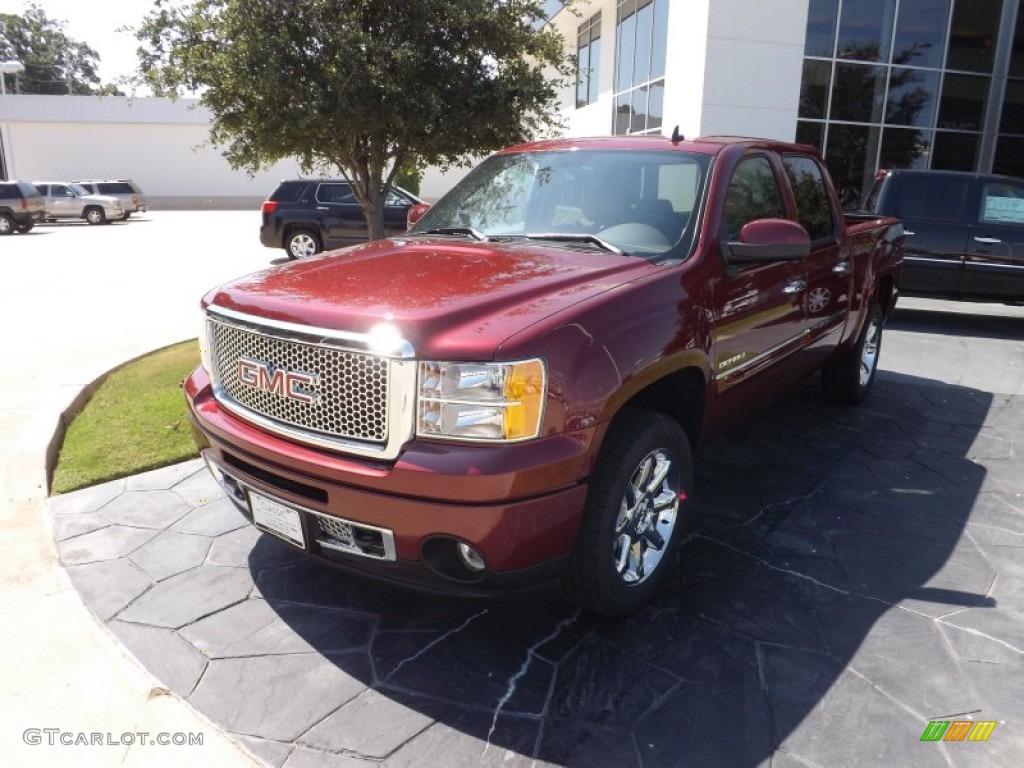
(6, 224)
(633, 521)
(26, 227)
(302, 243)
(95, 216)
(847, 378)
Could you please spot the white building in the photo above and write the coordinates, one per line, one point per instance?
(872, 83)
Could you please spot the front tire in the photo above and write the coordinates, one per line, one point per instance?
(302, 243)
(634, 516)
(95, 216)
(848, 377)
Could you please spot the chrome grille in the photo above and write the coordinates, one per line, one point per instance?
(349, 399)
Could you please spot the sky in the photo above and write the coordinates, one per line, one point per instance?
(93, 22)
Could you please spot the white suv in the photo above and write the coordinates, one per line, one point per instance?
(125, 190)
(72, 201)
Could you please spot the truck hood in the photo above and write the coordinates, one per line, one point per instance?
(448, 299)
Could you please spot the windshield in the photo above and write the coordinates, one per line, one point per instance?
(635, 201)
(79, 189)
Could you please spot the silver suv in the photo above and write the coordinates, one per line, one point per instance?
(72, 201)
(125, 190)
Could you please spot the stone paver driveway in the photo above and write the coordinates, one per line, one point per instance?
(849, 576)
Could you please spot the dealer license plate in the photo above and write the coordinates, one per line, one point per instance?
(277, 519)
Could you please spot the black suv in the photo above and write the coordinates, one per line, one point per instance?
(21, 206)
(305, 216)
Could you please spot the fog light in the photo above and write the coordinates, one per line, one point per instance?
(470, 557)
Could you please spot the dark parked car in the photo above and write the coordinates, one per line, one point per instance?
(965, 232)
(21, 206)
(305, 216)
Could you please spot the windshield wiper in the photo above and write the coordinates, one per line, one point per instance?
(578, 238)
(457, 231)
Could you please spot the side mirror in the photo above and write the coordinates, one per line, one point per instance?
(416, 213)
(767, 240)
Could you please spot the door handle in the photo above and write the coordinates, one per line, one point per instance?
(908, 232)
(796, 286)
(322, 208)
(842, 268)
(988, 240)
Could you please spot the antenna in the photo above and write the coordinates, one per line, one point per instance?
(676, 135)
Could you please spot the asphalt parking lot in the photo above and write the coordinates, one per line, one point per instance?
(848, 576)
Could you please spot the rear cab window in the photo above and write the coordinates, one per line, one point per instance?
(931, 199)
(1002, 203)
(813, 205)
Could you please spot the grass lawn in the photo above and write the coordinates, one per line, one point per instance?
(135, 421)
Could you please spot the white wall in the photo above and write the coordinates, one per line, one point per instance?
(732, 67)
(161, 144)
(753, 67)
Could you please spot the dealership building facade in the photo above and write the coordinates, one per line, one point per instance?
(872, 83)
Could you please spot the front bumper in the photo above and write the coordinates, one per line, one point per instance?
(519, 506)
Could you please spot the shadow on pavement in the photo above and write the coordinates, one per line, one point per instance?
(827, 589)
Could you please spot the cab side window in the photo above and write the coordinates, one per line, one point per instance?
(1002, 203)
(813, 208)
(753, 194)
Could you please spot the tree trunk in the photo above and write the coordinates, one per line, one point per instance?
(373, 210)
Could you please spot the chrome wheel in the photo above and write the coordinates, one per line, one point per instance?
(647, 517)
(6, 224)
(302, 245)
(869, 351)
(95, 216)
(635, 512)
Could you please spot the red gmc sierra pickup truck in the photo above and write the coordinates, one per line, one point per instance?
(510, 392)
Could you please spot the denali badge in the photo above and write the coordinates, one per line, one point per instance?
(277, 381)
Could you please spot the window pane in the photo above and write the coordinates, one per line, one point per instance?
(1013, 108)
(1002, 202)
(865, 29)
(858, 92)
(821, 28)
(912, 97)
(753, 194)
(921, 32)
(812, 204)
(623, 110)
(655, 105)
(810, 133)
(639, 121)
(1009, 156)
(624, 67)
(814, 88)
(972, 36)
(642, 59)
(850, 155)
(595, 70)
(904, 148)
(1017, 55)
(928, 198)
(582, 71)
(660, 39)
(955, 151)
(963, 102)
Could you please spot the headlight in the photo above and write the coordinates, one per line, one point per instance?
(205, 354)
(481, 401)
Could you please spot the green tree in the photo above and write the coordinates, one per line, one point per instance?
(370, 87)
(54, 63)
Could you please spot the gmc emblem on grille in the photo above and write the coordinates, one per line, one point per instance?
(277, 381)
